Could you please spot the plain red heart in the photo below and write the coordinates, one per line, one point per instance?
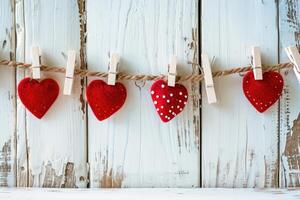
(37, 96)
(168, 101)
(262, 94)
(105, 99)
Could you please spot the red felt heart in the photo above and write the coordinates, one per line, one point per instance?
(168, 101)
(37, 96)
(105, 99)
(262, 94)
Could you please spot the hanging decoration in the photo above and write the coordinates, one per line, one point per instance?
(38, 96)
(105, 99)
(262, 86)
(168, 101)
(262, 94)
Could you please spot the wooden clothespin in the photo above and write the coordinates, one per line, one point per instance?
(256, 63)
(36, 65)
(70, 72)
(209, 83)
(294, 57)
(172, 71)
(112, 68)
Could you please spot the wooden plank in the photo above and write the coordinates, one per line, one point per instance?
(239, 144)
(51, 151)
(150, 194)
(7, 96)
(289, 21)
(134, 148)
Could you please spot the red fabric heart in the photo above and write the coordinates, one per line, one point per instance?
(262, 94)
(105, 99)
(168, 101)
(37, 96)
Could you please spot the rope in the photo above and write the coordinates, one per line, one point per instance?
(123, 76)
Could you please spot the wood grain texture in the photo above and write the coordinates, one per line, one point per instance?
(51, 151)
(289, 21)
(240, 145)
(134, 148)
(7, 96)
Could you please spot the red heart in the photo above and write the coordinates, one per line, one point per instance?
(37, 96)
(262, 94)
(168, 101)
(105, 99)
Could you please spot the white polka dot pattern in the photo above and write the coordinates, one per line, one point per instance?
(262, 94)
(168, 101)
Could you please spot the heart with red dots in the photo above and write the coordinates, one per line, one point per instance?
(262, 94)
(168, 101)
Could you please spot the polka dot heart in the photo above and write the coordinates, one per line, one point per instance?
(262, 94)
(168, 101)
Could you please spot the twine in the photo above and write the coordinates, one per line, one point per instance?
(141, 77)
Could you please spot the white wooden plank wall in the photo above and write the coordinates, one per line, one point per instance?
(289, 22)
(134, 148)
(7, 96)
(52, 150)
(239, 147)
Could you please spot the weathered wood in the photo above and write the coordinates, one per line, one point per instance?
(241, 148)
(7, 96)
(240, 145)
(51, 151)
(149, 194)
(134, 148)
(289, 21)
